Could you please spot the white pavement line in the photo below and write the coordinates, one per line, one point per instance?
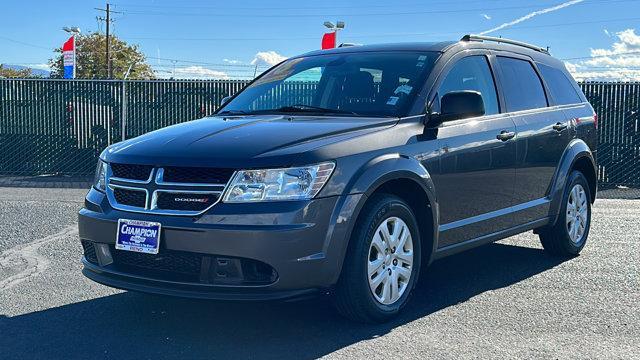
(28, 253)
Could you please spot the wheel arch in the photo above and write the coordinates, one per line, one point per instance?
(577, 156)
(406, 178)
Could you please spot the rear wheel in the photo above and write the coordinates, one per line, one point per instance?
(569, 235)
(382, 262)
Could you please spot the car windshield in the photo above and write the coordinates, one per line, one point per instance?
(379, 84)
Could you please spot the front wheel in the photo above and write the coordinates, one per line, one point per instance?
(382, 262)
(569, 235)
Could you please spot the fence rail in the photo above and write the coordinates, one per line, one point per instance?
(60, 126)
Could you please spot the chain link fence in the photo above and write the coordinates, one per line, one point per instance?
(54, 130)
(617, 106)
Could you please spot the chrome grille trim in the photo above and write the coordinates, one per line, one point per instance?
(112, 198)
(154, 186)
(132, 181)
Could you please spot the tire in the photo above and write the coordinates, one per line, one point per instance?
(354, 296)
(559, 240)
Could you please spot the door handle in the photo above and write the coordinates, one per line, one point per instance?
(559, 126)
(506, 135)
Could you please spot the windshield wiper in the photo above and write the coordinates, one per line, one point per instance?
(311, 108)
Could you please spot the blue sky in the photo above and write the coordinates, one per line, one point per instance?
(207, 36)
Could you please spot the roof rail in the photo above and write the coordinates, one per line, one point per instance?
(470, 37)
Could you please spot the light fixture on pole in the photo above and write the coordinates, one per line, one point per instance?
(74, 30)
(329, 40)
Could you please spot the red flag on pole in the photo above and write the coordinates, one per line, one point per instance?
(69, 58)
(329, 40)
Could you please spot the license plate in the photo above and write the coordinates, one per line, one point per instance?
(138, 236)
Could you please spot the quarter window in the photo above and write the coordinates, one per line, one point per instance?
(560, 86)
(473, 73)
(522, 87)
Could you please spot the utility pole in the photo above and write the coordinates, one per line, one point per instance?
(108, 20)
(108, 57)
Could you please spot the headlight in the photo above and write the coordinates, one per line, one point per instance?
(298, 183)
(100, 181)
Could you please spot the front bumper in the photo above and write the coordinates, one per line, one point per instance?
(302, 242)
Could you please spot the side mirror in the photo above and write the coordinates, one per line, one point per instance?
(225, 100)
(458, 105)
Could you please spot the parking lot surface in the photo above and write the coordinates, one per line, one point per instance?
(503, 300)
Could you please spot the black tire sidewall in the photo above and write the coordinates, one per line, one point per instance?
(383, 208)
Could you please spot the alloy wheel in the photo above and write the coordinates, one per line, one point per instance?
(577, 211)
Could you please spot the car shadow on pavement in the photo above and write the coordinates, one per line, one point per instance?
(133, 325)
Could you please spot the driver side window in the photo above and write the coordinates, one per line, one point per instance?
(472, 73)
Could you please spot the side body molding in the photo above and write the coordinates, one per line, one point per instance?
(576, 150)
(390, 167)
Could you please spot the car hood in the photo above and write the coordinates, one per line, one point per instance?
(245, 141)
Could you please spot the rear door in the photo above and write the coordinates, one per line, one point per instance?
(543, 133)
(475, 183)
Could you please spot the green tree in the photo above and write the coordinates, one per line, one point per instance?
(6, 72)
(91, 59)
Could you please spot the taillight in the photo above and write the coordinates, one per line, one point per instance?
(595, 120)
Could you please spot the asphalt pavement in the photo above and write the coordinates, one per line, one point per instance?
(503, 300)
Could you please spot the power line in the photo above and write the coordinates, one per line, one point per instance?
(355, 36)
(358, 14)
(603, 56)
(431, 3)
(204, 62)
(25, 43)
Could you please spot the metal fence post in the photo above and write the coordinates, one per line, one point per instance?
(123, 120)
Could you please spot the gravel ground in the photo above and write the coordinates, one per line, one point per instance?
(504, 300)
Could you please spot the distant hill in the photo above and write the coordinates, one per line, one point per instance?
(36, 72)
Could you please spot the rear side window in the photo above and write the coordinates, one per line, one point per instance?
(560, 86)
(472, 73)
(521, 86)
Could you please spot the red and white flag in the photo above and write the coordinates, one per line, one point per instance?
(69, 58)
(329, 40)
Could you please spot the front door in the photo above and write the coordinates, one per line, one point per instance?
(475, 183)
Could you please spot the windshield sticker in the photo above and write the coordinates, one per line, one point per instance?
(393, 100)
(404, 89)
(422, 57)
(420, 64)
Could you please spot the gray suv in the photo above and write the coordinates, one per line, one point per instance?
(347, 172)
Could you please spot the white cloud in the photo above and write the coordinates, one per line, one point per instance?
(194, 72)
(231, 61)
(607, 32)
(620, 62)
(531, 15)
(267, 58)
(487, 17)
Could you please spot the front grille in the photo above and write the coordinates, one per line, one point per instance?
(172, 190)
(174, 265)
(176, 262)
(185, 201)
(197, 175)
(132, 172)
(129, 197)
